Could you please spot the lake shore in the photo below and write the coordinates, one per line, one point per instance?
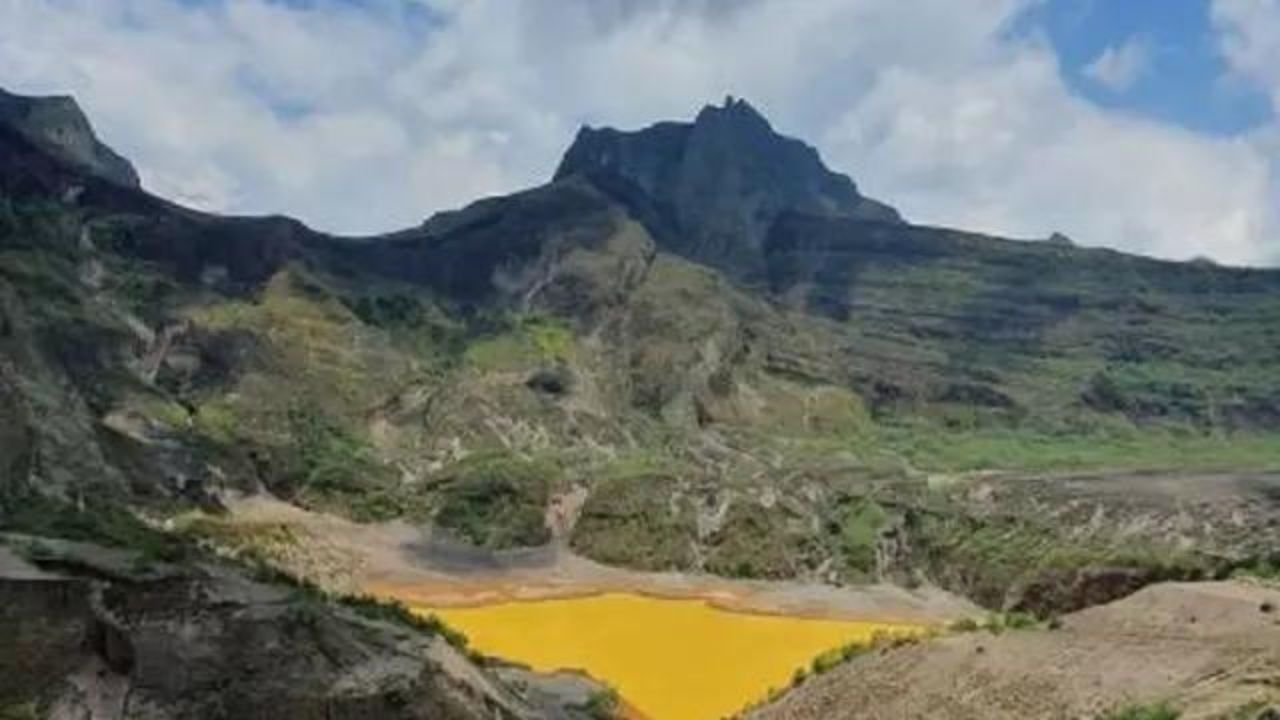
(399, 561)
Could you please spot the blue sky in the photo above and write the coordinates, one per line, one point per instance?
(1144, 125)
(1182, 76)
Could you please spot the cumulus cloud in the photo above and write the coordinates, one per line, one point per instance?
(1250, 38)
(1118, 67)
(360, 117)
(1249, 34)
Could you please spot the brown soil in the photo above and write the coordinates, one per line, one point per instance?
(1207, 648)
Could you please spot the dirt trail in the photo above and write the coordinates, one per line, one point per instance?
(401, 561)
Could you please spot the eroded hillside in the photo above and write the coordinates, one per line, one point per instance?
(742, 365)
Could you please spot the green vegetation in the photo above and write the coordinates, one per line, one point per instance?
(258, 545)
(217, 421)
(1265, 569)
(640, 464)
(834, 658)
(985, 560)
(165, 412)
(331, 458)
(308, 597)
(552, 338)
(603, 704)
(860, 534)
(520, 343)
(758, 542)
(497, 500)
(92, 521)
(392, 310)
(929, 447)
(831, 659)
(631, 519)
(335, 469)
(996, 623)
(297, 340)
(394, 611)
(839, 656)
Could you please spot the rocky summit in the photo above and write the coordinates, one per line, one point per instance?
(57, 126)
(694, 350)
(712, 189)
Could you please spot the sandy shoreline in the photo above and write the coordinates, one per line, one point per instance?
(784, 601)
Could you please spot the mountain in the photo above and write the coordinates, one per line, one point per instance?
(57, 126)
(735, 361)
(712, 189)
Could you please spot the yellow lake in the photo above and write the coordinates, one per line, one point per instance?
(669, 659)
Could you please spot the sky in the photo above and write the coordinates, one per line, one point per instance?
(1150, 126)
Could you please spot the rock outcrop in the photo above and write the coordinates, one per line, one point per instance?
(58, 126)
(104, 636)
(713, 188)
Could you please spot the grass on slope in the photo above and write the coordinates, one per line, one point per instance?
(497, 500)
(927, 447)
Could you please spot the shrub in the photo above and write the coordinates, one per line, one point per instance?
(838, 656)
(603, 704)
(94, 521)
(497, 501)
(330, 457)
(396, 612)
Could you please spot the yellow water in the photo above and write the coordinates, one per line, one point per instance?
(669, 659)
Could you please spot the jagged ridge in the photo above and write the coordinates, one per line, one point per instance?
(715, 186)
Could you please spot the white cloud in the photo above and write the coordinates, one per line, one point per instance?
(1006, 148)
(1250, 37)
(1119, 67)
(366, 117)
(1249, 34)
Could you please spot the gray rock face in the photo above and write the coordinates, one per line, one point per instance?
(713, 188)
(57, 126)
(103, 641)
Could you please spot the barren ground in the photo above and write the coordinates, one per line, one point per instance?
(1211, 649)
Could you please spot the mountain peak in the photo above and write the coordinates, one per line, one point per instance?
(734, 111)
(713, 188)
(57, 126)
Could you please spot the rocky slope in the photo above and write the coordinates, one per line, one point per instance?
(1209, 651)
(745, 367)
(98, 633)
(715, 187)
(57, 126)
